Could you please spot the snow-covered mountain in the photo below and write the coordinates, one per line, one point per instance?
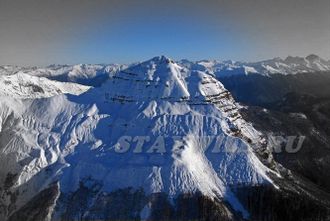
(22, 85)
(148, 137)
(87, 74)
(290, 65)
(156, 126)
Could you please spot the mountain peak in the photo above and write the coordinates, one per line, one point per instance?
(157, 67)
(294, 59)
(313, 57)
(162, 59)
(156, 78)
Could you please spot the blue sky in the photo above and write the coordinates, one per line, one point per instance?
(144, 37)
(42, 32)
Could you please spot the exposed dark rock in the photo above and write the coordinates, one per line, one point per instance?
(36, 88)
(266, 203)
(38, 208)
(10, 180)
(90, 203)
(312, 161)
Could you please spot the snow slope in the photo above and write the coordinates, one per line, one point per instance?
(156, 125)
(22, 85)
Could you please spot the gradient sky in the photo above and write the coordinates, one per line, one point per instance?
(42, 32)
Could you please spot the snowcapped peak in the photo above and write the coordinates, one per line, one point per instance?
(313, 57)
(294, 60)
(229, 61)
(162, 79)
(157, 78)
(153, 69)
(277, 59)
(161, 59)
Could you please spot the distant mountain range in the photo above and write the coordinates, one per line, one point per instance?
(94, 75)
(290, 65)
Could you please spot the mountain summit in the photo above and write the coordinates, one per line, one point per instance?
(159, 78)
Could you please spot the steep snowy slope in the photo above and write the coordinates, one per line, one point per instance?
(26, 86)
(156, 127)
